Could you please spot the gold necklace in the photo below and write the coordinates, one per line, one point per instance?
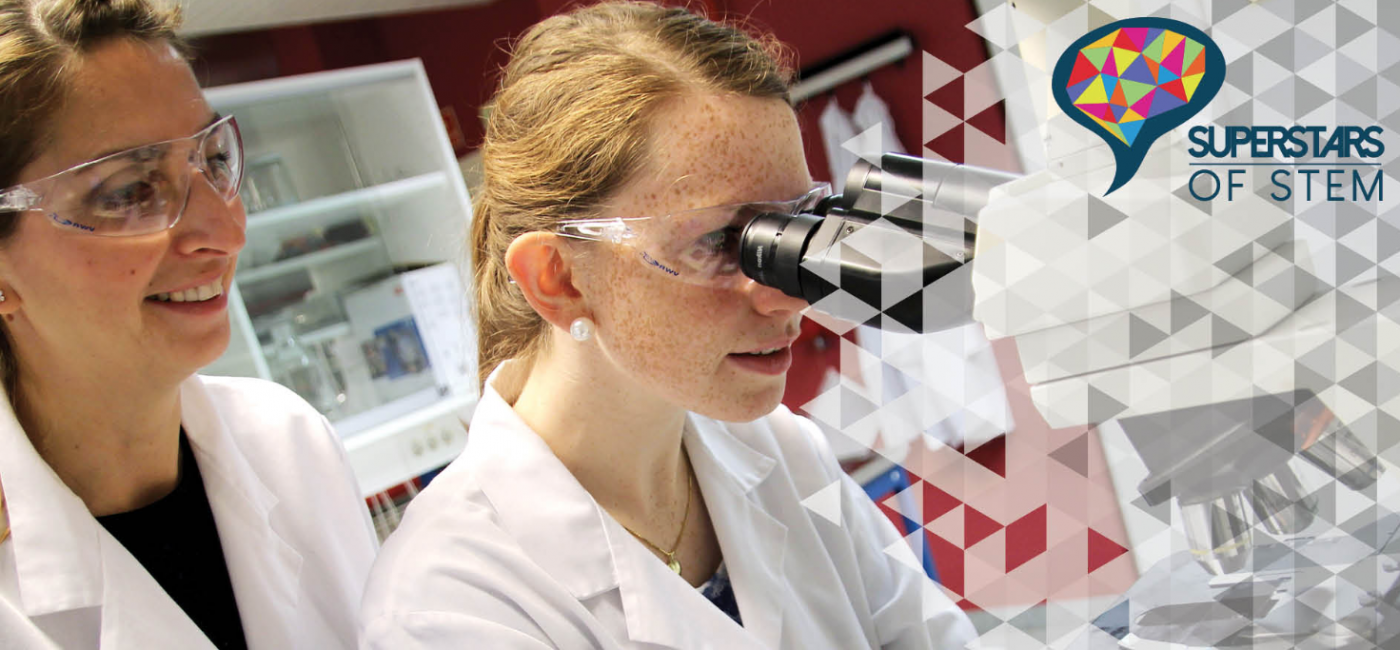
(671, 560)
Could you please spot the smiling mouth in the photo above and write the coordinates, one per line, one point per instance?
(198, 294)
(761, 353)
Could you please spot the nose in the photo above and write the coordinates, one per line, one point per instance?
(769, 301)
(210, 226)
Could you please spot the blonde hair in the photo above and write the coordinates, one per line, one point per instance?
(568, 127)
(39, 42)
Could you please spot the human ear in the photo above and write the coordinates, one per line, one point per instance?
(9, 301)
(542, 267)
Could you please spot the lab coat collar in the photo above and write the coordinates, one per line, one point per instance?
(540, 503)
(752, 540)
(66, 560)
(265, 570)
(560, 526)
(57, 553)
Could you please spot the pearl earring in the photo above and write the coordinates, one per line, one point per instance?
(2, 296)
(581, 329)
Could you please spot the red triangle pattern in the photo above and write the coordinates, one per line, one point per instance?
(950, 145)
(948, 560)
(1102, 550)
(1136, 36)
(1124, 42)
(991, 455)
(937, 503)
(991, 121)
(1083, 69)
(977, 526)
(1176, 88)
(1101, 111)
(1025, 538)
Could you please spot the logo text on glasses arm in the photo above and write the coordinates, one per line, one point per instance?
(64, 222)
(650, 260)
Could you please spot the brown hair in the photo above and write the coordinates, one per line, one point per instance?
(39, 42)
(568, 127)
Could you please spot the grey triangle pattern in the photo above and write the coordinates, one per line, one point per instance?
(1142, 336)
(1032, 622)
(1351, 264)
(1392, 74)
(1363, 97)
(1280, 50)
(1351, 216)
(1309, 98)
(1222, 9)
(1102, 406)
(1102, 216)
(1308, 8)
(1074, 455)
(1185, 312)
(1240, 74)
(1098, 18)
(854, 407)
(1338, 262)
(1387, 240)
(1184, 193)
(1351, 26)
(1351, 72)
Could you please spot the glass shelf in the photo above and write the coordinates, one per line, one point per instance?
(309, 260)
(351, 180)
(325, 210)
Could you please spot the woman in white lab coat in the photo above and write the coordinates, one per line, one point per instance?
(144, 507)
(606, 498)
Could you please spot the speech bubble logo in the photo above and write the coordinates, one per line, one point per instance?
(1131, 81)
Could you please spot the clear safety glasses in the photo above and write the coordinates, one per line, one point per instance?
(699, 246)
(138, 191)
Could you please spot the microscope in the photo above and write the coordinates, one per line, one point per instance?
(1213, 343)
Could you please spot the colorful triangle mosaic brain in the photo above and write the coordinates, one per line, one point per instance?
(1135, 74)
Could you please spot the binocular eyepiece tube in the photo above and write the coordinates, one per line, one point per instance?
(919, 213)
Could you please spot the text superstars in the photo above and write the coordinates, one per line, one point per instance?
(1286, 142)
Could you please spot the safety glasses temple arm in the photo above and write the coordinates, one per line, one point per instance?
(613, 230)
(18, 198)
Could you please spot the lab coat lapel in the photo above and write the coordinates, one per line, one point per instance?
(264, 569)
(555, 521)
(753, 542)
(67, 561)
(57, 557)
(540, 503)
(137, 614)
(662, 609)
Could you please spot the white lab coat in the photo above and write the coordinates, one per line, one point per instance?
(506, 550)
(295, 533)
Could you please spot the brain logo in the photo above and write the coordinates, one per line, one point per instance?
(1134, 80)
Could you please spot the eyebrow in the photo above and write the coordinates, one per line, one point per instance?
(118, 150)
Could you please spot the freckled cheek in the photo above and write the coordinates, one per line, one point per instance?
(668, 328)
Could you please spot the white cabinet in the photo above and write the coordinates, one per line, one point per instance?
(350, 184)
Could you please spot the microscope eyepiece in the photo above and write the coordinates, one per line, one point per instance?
(907, 201)
(771, 248)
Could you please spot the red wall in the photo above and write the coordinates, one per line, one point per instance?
(463, 48)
